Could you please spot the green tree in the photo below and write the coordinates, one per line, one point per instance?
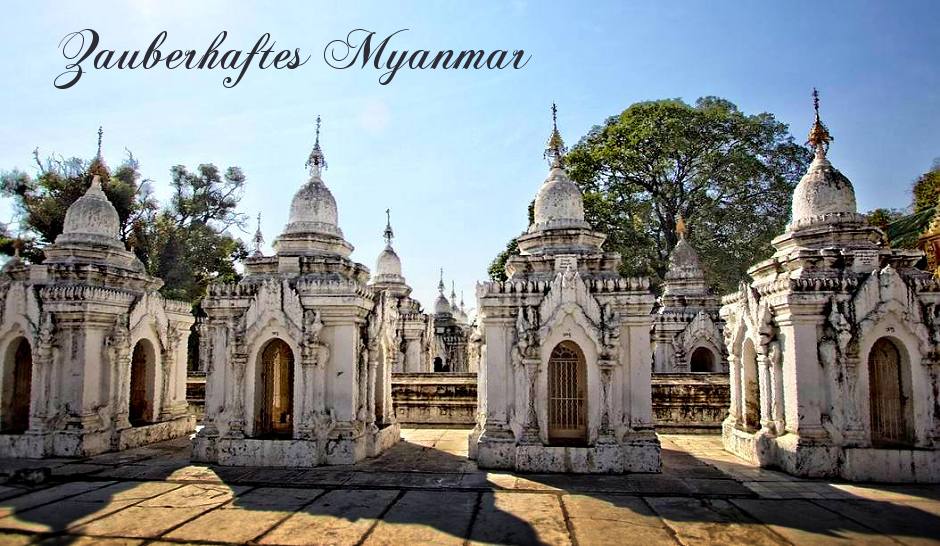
(926, 188)
(42, 199)
(730, 175)
(881, 217)
(188, 245)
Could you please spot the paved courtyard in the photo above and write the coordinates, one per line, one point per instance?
(425, 491)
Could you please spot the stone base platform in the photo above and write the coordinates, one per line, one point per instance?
(806, 459)
(636, 453)
(294, 453)
(37, 445)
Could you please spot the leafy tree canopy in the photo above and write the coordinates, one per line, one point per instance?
(926, 188)
(187, 244)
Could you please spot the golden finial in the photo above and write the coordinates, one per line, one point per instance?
(680, 226)
(819, 136)
(555, 147)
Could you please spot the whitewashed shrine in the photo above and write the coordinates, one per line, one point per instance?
(834, 345)
(295, 349)
(564, 379)
(93, 357)
(687, 329)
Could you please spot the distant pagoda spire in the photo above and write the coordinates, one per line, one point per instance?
(98, 167)
(819, 137)
(317, 161)
(388, 234)
(440, 283)
(555, 149)
(258, 240)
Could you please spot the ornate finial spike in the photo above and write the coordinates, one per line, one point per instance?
(461, 300)
(819, 136)
(100, 134)
(388, 233)
(555, 147)
(453, 291)
(258, 240)
(316, 162)
(680, 226)
(440, 283)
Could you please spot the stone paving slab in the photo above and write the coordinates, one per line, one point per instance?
(702, 521)
(519, 518)
(426, 517)
(339, 517)
(613, 520)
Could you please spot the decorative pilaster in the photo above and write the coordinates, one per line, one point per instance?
(530, 433)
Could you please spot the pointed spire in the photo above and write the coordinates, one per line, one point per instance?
(388, 234)
(440, 283)
(680, 227)
(317, 161)
(258, 240)
(461, 301)
(555, 147)
(98, 166)
(453, 291)
(819, 136)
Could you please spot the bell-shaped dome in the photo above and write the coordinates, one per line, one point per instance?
(92, 219)
(824, 195)
(558, 204)
(388, 263)
(313, 209)
(684, 261)
(442, 306)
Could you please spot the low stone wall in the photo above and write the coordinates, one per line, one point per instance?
(690, 402)
(435, 398)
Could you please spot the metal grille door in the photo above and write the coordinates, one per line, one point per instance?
(888, 422)
(566, 389)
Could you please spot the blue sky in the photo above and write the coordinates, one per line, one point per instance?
(456, 155)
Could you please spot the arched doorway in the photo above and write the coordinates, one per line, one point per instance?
(18, 375)
(276, 408)
(702, 360)
(143, 376)
(567, 401)
(889, 395)
(751, 386)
